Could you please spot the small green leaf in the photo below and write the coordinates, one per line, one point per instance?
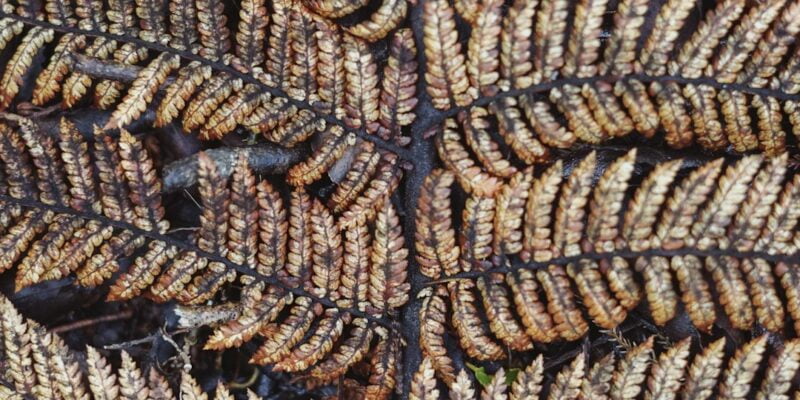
(511, 375)
(480, 374)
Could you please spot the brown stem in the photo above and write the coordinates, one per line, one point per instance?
(264, 158)
(84, 119)
(146, 339)
(92, 321)
(107, 69)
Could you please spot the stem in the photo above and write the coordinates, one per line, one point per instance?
(80, 324)
(263, 158)
(422, 156)
(107, 69)
(146, 339)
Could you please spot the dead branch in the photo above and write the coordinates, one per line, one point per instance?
(264, 158)
(107, 69)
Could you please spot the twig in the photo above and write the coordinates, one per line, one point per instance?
(92, 321)
(443, 280)
(34, 112)
(183, 353)
(184, 229)
(249, 382)
(264, 158)
(84, 120)
(107, 69)
(146, 339)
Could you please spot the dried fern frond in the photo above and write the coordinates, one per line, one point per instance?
(398, 90)
(64, 217)
(435, 238)
(423, 387)
(288, 76)
(53, 370)
(571, 88)
(446, 72)
(592, 245)
(386, 18)
(658, 374)
(317, 260)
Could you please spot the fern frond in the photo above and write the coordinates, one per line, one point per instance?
(356, 273)
(19, 63)
(568, 381)
(485, 149)
(47, 352)
(588, 245)
(303, 71)
(497, 387)
(334, 144)
(251, 33)
(446, 73)
(423, 387)
(383, 369)
(461, 388)
(385, 19)
(259, 307)
(326, 264)
(483, 50)
(351, 351)
(142, 91)
(331, 64)
(705, 371)
(275, 86)
(398, 91)
(177, 94)
(388, 289)
(433, 314)
(597, 382)
(603, 93)
(182, 18)
(273, 229)
(473, 335)
(435, 238)
(497, 305)
(366, 206)
(48, 82)
(281, 338)
(318, 344)
(74, 218)
(361, 89)
(455, 157)
(357, 178)
(336, 8)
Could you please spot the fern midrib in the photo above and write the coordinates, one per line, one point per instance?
(627, 253)
(412, 354)
(242, 269)
(575, 81)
